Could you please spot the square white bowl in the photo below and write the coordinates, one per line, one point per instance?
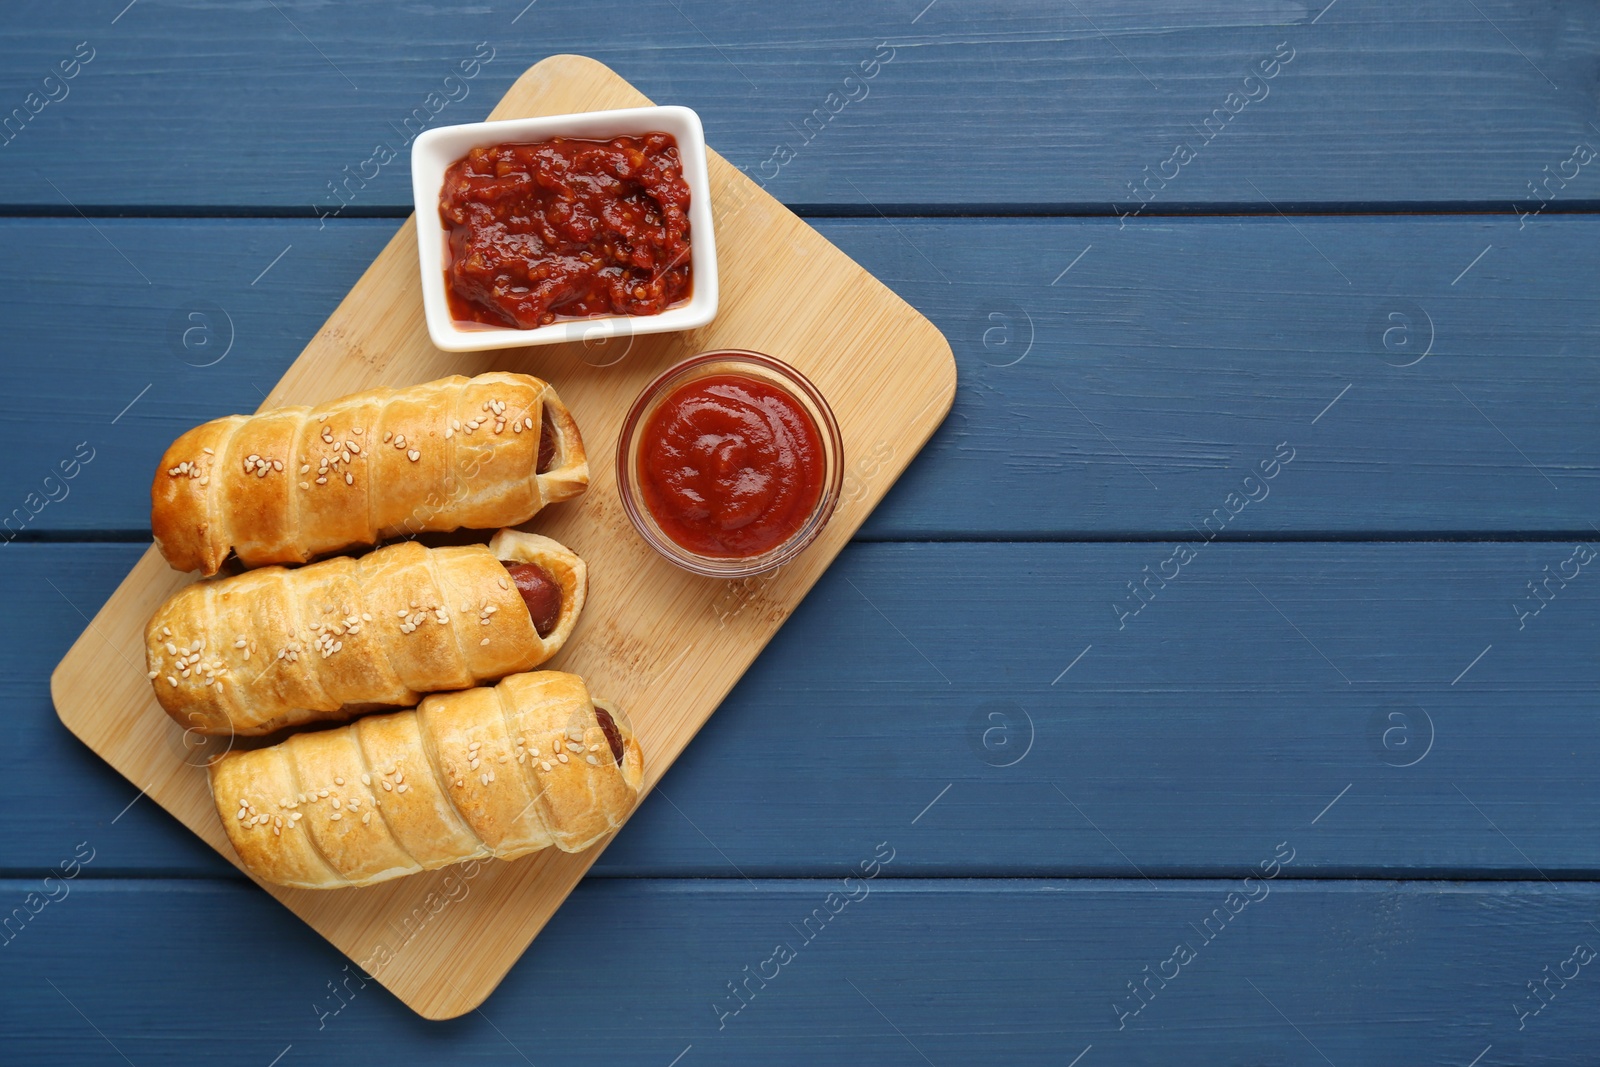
(435, 150)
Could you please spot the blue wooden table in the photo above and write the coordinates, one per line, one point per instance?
(1218, 687)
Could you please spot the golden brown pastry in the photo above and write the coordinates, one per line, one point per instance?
(501, 771)
(285, 486)
(278, 647)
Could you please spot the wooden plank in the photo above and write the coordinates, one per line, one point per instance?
(911, 972)
(1440, 102)
(1184, 349)
(1203, 725)
(889, 378)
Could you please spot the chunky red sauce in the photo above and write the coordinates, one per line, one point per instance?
(730, 466)
(566, 229)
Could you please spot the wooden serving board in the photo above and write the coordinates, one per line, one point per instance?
(664, 644)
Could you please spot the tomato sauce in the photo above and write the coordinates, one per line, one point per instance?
(566, 228)
(730, 466)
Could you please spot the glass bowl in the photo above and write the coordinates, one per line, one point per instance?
(771, 372)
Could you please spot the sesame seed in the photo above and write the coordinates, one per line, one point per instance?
(544, 764)
(172, 681)
(152, 674)
(485, 641)
(335, 803)
(401, 788)
(335, 816)
(242, 812)
(338, 781)
(295, 816)
(562, 757)
(592, 761)
(322, 792)
(366, 779)
(208, 451)
(366, 817)
(484, 778)
(413, 455)
(387, 787)
(349, 479)
(528, 423)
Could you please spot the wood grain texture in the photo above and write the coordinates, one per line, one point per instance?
(1183, 349)
(890, 379)
(193, 105)
(1206, 722)
(914, 972)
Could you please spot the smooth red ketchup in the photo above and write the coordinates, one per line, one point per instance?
(730, 466)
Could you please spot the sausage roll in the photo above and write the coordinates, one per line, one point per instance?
(285, 486)
(502, 771)
(277, 647)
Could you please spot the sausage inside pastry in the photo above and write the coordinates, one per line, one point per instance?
(530, 763)
(277, 647)
(289, 485)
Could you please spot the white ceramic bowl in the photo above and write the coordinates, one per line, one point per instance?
(433, 152)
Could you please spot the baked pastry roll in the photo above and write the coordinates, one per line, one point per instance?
(285, 486)
(277, 647)
(530, 763)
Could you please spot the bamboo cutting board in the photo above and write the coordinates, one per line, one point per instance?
(664, 644)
